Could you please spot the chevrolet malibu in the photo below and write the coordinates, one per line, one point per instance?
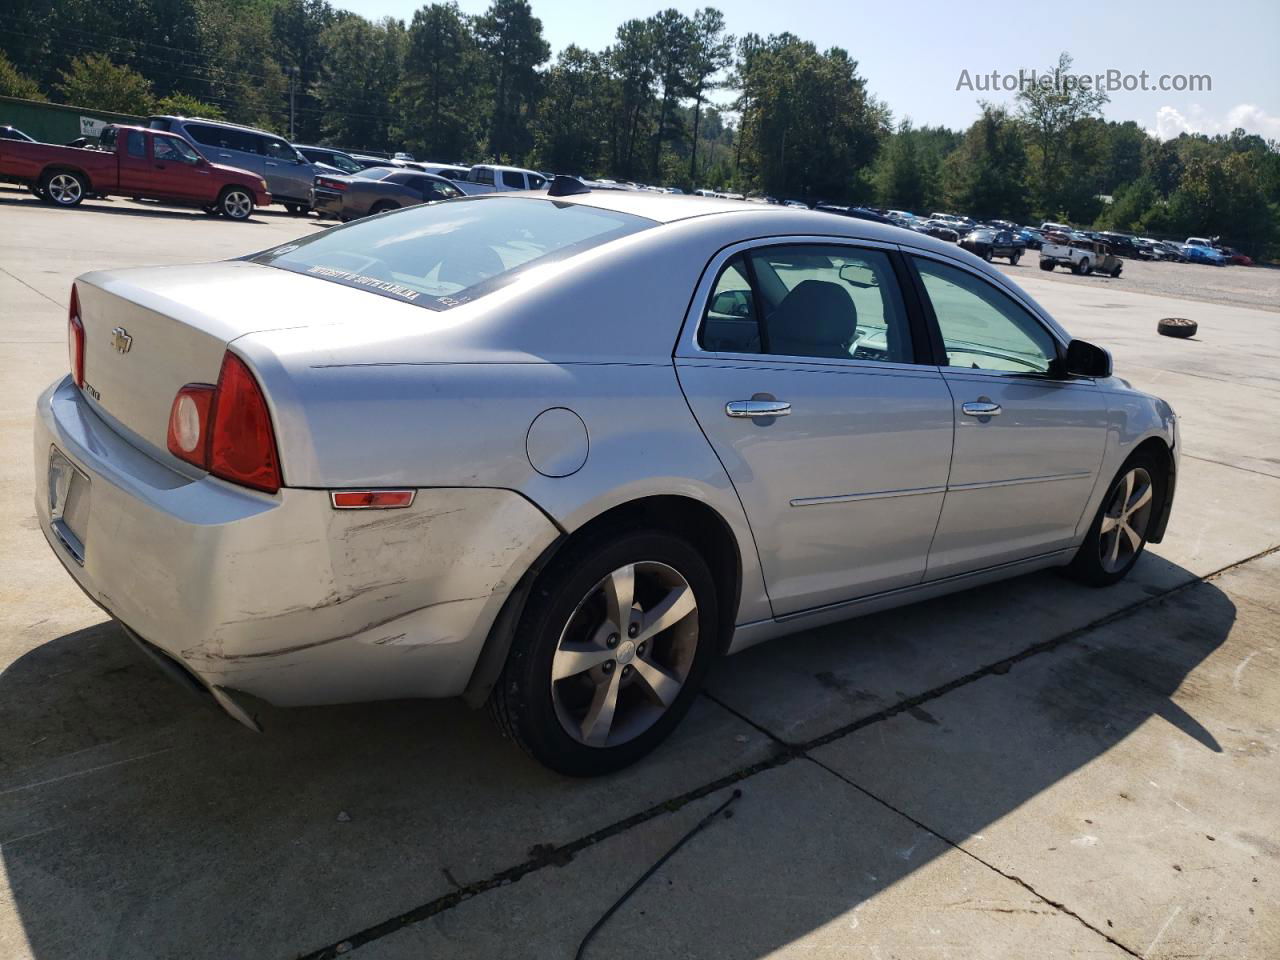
(558, 452)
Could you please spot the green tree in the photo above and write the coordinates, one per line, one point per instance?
(363, 62)
(1054, 115)
(185, 105)
(1131, 206)
(573, 113)
(809, 126)
(710, 55)
(439, 99)
(986, 175)
(631, 60)
(673, 41)
(510, 36)
(15, 84)
(296, 30)
(94, 81)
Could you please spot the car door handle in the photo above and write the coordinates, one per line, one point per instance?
(224, 156)
(980, 408)
(757, 408)
(272, 163)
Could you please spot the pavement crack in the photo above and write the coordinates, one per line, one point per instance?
(1056, 905)
(1233, 466)
(30, 287)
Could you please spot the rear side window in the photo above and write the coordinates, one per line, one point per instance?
(813, 301)
(442, 255)
(480, 175)
(136, 144)
(512, 179)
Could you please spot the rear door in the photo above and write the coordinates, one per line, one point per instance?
(1028, 443)
(287, 173)
(800, 364)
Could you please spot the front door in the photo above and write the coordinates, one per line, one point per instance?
(802, 374)
(1028, 443)
(177, 170)
(288, 174)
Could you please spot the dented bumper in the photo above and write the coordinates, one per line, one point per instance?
(281, 596)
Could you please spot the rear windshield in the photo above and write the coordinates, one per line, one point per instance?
(441, 255)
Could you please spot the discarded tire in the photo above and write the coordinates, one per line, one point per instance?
(1177, 327)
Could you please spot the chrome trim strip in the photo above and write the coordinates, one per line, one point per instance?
(922, 585)
(68, 540)
(1018, 481)
(873, 495)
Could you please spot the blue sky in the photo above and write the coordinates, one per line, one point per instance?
(913, 54)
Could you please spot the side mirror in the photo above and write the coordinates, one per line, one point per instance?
(1086, 360)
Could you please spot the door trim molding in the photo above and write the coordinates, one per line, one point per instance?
(1018, 481)
(873, 495)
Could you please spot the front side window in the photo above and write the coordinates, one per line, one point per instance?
(982, 327)
(442, 255)
(279, 150)
(442, 191)
(175, 149)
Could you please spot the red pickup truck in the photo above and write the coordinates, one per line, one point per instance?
(133, 162)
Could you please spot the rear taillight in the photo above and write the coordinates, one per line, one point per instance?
(75, 339)
(226, 429)
(330, 184)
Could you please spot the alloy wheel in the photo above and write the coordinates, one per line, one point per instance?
(237, 204)
(1125, 522)
(625, 654)
(64, 188)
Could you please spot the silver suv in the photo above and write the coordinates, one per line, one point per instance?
(288, 173)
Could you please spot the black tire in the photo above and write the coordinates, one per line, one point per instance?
(1179, 327)
(382, 206)
(1047, 264)
(1115, 274)
(1088, 566)
(986, 254)
(235, 203)
(297, 209)
(1014, 258)
(211, 211)
(63, 188)
(522, 702)
(1082, 267)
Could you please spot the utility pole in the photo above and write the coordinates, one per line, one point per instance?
(293, 78)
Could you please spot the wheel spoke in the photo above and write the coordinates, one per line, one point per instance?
(619, 594)
(662, 684)
(1108, 523)
(571, 661)
(1114, 553)
(1138, 500)
(1128, 487)
(599, 719)
(1135, 538)
(667, 612)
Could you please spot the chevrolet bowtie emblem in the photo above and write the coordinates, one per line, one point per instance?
(121, 340)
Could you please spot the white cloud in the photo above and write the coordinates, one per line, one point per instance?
(1170, 121)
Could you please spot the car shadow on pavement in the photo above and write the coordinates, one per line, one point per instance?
(117, 207)
(136, 822)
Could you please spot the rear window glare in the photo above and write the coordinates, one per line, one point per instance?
(441, 255)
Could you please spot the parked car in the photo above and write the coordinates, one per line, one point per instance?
(132, 162)
(287, 172)
(377, 190)
(1236, 257)
(389, 491)
(331, 160)
(1195, 253)
(13, 133)
(1001, 224)
(450, 171)
(1050, 227)
(1164, 250)
(1082, 254)
(490, 178)
(1033, 238)
(401, 155)
(986, 243)
(939, 229)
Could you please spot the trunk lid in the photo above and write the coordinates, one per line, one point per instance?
(150, 331)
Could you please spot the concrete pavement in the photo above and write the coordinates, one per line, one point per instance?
(1030, 769)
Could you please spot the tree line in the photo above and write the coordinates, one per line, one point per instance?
(674, 99)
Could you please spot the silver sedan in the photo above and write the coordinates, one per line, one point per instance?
(558, 452)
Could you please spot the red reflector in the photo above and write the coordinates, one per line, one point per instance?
(370, 499)
(242, 444)
(75, 339)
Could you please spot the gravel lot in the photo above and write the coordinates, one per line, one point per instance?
(1257, 287)
(1032, 769)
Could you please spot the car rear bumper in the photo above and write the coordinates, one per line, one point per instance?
(327, 203)
(281, 596)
